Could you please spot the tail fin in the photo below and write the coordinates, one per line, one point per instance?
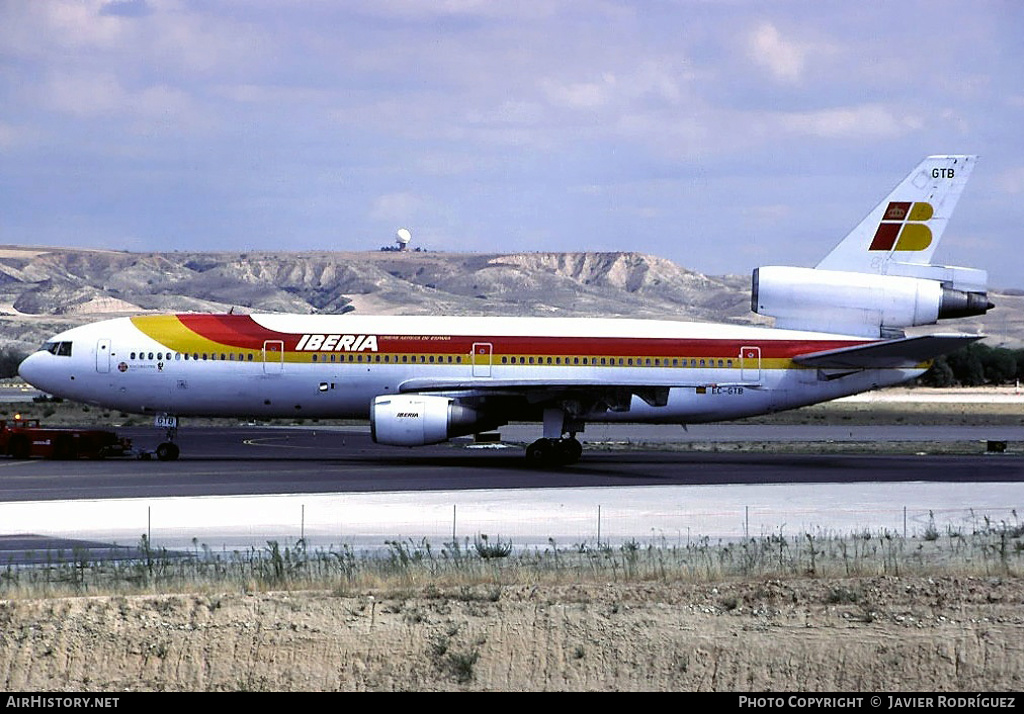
(907, 226)
(879, 280)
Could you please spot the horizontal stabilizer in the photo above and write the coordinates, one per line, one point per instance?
(891, 354)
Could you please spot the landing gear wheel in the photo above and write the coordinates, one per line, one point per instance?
(554, 452)
(539, 452)
(167, 451)
(575, 449)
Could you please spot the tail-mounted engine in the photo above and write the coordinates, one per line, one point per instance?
(867, 304)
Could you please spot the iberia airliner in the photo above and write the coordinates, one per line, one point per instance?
(423, 380)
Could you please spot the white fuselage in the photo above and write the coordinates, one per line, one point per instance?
(265, 366)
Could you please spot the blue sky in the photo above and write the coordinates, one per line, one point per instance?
(721, 135)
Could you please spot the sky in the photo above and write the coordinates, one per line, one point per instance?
(722, 135)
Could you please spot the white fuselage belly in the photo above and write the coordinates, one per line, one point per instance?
(115, 365)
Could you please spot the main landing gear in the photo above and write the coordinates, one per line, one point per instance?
(559, 446)
(554, 452)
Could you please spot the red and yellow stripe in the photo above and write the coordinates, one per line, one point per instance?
(240, 334)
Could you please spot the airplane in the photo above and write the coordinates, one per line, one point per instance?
(838, 331)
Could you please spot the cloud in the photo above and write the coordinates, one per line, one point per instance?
(784, 59)
(863, 122)
(126, 8)
(580, 95)
(1011, 180)
(101, 95)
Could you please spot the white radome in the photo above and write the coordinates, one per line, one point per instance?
(403, 236)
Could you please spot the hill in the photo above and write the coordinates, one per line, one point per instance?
(45, 290)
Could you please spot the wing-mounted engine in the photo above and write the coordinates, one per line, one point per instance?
(418, 419)
(865, 304)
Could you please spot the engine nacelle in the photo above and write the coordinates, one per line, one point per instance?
(418, 419)
(851, 303)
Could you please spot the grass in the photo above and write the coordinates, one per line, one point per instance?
(988, 550)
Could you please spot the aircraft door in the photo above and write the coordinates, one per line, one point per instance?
(750, 364)
(482, 353)
(273, 356)
(103, 356)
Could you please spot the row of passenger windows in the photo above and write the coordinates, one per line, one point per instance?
(620, 361)
(161, 356)
(432, 359)
(249, 357)
(393, 359)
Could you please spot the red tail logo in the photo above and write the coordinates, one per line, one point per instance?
(903, 227)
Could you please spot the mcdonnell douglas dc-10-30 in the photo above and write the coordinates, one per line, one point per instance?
(839, 330)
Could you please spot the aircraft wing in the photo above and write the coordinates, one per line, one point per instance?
(613, 395)
(890, 354)
(518, 385)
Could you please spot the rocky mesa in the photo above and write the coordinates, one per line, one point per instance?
(44, 290)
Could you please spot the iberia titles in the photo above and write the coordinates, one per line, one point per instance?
(337, 343)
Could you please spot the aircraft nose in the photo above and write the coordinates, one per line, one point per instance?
(31, 370)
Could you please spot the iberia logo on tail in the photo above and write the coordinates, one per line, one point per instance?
(903, 227)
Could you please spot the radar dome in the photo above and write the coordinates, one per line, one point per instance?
(402, 237)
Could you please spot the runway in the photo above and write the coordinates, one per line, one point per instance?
(239, 488)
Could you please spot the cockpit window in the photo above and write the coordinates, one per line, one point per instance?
(61, 349)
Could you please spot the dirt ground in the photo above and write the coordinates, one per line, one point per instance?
(874, 634)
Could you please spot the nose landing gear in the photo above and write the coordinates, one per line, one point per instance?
(167, 450)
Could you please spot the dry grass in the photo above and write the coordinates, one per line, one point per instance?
(987, 549)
